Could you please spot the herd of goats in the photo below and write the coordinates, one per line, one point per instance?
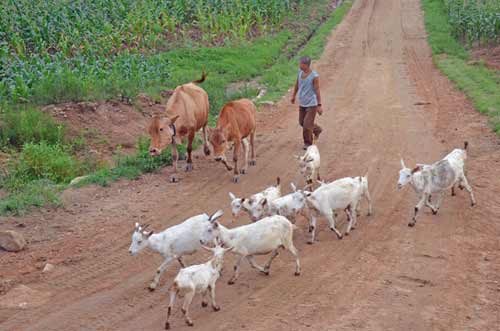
(273, 215)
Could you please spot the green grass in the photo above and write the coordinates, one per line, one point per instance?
(479, 83)
(271, 59)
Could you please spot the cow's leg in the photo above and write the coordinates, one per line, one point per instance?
(267, 266)
(245, 153)
(236, 271)
(175, 158)
(215, 307)
(253, 161)
(206, 149)
(173, 293)
(423, 199)
(331, 222)
(236, 151)
(185, 306)
(159, 272)
(189, 164)
(469, 189)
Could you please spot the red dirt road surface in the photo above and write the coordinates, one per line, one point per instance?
(383, 99)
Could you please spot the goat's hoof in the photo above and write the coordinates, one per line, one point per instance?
(243, 171)
(174, 179)
(297, 273)
(472, 204)
(216, 308)
(346, 234)
(189, 323)
(206, 150)
(230, 282)
(167, 326)
(411, 224)
(340, 237)
(252, 163)
(434, 211)
(236, 179)
(189, 167)
(310, 242)
(204, 304)
(152, 287)
(265, 272)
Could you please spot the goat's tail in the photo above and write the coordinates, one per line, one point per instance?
(278, 181)
(202, 79)
(466, 145)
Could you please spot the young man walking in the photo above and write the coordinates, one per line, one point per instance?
(307, 85)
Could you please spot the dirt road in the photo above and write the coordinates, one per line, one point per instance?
(444, 274)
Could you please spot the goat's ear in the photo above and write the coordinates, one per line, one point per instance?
(150, 233)
(294, 188)
(136, 226)
(216, 215)
(417, 168)
(402, 163)
(264, 202)
(228, 249)
(205, 247)
(232, 196)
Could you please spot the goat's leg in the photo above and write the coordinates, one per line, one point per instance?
(173, 293)
(351, 215)
(254, 264)
(469, 189)
(331, 222)
(291, 248)
(236, 271)
(185, 306)
(159, 272)
(267, 266)
(438, 202)
(423, 199)
(312, 229)
(215, 307)
(432, 207)
(204, 302)
(181, 262)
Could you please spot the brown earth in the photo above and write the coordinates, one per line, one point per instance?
(383, 99)
(490, 56)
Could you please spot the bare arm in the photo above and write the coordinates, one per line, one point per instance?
(295, 89)
(318, 94)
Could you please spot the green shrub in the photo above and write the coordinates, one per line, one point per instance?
(36, 193)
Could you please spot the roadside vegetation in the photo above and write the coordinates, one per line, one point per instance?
(470, 23)
(52, 56)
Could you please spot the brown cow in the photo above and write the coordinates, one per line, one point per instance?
(186, 113)
(235, 123)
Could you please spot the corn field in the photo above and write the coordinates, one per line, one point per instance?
(48, 38)
(475, 21)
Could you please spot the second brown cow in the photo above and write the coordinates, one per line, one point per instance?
(235, 124)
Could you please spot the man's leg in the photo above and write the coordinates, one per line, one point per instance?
(308, 126)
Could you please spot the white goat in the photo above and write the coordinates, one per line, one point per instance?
(344, 193)
(309, 165)
(199, 278)
(174, 242)
(289, 205)
(436, 178)
(259, 238)
(250, 205)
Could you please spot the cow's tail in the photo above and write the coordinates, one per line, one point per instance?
(202, 79)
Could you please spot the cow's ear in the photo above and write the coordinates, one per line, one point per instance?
(173, 119)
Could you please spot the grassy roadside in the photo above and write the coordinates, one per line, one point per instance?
(479, 83)
(267, 58)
